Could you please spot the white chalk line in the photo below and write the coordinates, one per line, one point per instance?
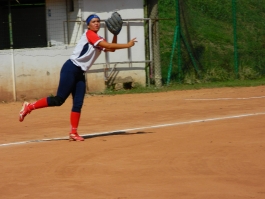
(239, 98)
(139, 128)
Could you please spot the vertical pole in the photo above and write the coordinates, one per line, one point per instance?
(150, 49)
(67, 21)
(178, 40)
(157, 62)
(128, 39)
(172, 54)
(235, 38)
(153, 13)
(12, 50)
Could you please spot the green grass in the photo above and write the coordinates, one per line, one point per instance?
(196, 86)
(210, 28)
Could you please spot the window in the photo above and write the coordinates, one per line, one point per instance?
(23, 22)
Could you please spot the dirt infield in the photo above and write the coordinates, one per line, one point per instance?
(196, 144)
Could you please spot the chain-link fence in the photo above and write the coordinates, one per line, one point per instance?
(211, 40)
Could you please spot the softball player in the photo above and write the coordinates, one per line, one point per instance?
(72, 79)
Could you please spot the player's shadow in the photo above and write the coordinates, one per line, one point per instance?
(114, 133)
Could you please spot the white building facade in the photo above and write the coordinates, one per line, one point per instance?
(33, 72)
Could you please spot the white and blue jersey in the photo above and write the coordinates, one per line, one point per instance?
(86, 51)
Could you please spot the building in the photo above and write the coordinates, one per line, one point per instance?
(38, 36)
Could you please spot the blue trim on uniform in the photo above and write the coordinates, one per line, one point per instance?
(84, 50)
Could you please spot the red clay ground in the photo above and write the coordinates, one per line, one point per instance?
(214, 149)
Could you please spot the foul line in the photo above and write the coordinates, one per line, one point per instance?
(240, 98)
(139, 128)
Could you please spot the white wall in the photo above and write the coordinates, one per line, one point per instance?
(37, 69)
(37, 72)
(6, 85)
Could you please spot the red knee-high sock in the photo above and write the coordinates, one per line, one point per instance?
(42, 103)
(74, 118)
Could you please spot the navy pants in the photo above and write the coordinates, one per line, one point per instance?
(72, 81)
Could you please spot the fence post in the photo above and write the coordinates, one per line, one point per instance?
(153, 10)
(178, 40)
(235, 38)
(12, 51)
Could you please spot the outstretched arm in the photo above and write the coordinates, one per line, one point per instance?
(114, 41)
(114, 46)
